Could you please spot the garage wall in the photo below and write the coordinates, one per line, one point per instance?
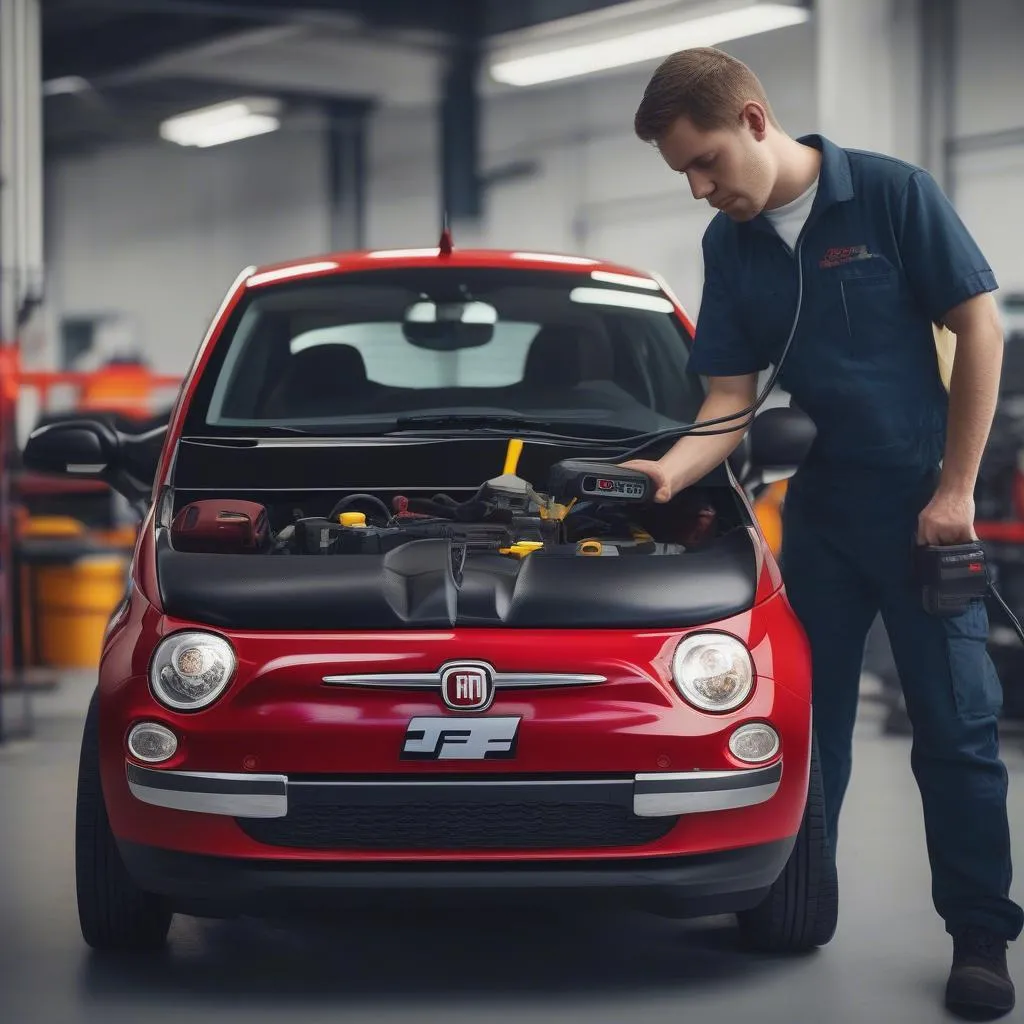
(157, 233)
(596, 189)
(988, 179)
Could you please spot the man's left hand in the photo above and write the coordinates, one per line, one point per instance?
(947, 519)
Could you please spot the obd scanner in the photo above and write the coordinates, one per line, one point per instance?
(952, 575)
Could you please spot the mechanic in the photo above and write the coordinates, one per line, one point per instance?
(865, 254)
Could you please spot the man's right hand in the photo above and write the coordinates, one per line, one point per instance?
(658, 475)
(692, 456)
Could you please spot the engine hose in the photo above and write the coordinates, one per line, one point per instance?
(351, 498)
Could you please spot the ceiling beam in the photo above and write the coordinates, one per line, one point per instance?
(91, 52)
(235, 10)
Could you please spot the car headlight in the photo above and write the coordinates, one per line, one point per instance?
(714, 672)
(190, 670)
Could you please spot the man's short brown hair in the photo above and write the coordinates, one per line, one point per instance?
(702, 84)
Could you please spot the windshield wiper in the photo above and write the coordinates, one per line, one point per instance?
(502, 423)
(467, 419)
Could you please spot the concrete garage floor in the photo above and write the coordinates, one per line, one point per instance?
(888, 961)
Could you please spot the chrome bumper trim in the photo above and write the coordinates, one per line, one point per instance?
(658, 794)
(432, 680)
(239, 796)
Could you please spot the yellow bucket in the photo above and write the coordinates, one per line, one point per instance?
(52, 526)
(73, 605)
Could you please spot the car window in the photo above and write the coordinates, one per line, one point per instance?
(365, 350)
(390, 359)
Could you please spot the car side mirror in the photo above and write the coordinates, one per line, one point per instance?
(81, 448)
(94, 449)
(777, 443)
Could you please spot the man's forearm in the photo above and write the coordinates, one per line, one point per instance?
(694, 456)
(973, 393)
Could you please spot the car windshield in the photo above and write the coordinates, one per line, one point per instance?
(402, 349)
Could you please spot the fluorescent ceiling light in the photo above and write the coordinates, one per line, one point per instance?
(222, 122)
(701, 25)
(627, 300)
(66, 85)
(627, 279)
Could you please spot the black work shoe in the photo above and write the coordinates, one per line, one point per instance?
(979, 986)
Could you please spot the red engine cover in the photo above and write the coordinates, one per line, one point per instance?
(226, 526)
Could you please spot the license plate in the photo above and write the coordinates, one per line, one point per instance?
(461, 739)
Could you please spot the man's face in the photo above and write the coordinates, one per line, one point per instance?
(731, 168)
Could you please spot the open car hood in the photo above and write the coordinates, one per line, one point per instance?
(420, 585)
(433, 581)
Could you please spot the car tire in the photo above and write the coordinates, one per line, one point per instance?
(113, 912)
(801, 909)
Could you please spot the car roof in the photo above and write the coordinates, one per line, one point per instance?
(439, 255)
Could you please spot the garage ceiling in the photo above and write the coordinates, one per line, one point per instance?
(113, 69)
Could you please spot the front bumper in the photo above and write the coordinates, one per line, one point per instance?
(648, 794)
(695, 885)
(453, 815)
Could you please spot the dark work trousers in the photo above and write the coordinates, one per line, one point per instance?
(846, 555)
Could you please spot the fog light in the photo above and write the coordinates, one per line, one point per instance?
(754, 742)
(151, 742)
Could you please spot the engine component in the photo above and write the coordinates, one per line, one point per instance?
(510, 492)
(212, 524)
(699, 517)
(592, 508)
(354, 499)
(316, 536)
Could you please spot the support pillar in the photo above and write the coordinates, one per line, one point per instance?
(21, 277)
(461, 180)
(346, 146)
(869, 73)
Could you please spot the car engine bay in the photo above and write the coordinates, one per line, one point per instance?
(586, 508)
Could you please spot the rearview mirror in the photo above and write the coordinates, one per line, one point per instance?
(449, 326)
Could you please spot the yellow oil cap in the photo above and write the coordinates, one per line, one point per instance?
(352, 518)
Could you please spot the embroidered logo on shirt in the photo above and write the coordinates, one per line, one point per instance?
(839, 255)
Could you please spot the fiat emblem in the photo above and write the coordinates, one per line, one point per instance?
(467, 686)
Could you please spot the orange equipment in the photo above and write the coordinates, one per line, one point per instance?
(67, 597)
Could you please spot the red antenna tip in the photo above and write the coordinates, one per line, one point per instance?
(446, 242)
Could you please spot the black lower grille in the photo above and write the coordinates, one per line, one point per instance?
(457, 826)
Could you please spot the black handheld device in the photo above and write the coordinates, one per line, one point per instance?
(953, 575)
(598, 481)
(950, 576)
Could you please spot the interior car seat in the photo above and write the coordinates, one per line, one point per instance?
(323, 380)
(554, 359)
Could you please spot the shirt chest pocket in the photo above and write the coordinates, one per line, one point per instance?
(868, 293)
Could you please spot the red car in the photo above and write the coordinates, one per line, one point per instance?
(398, 623)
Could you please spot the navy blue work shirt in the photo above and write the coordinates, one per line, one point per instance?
(883, 255)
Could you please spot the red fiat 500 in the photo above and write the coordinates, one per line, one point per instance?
(399, 623)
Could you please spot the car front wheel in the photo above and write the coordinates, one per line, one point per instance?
(801, 909)
(114, 913)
